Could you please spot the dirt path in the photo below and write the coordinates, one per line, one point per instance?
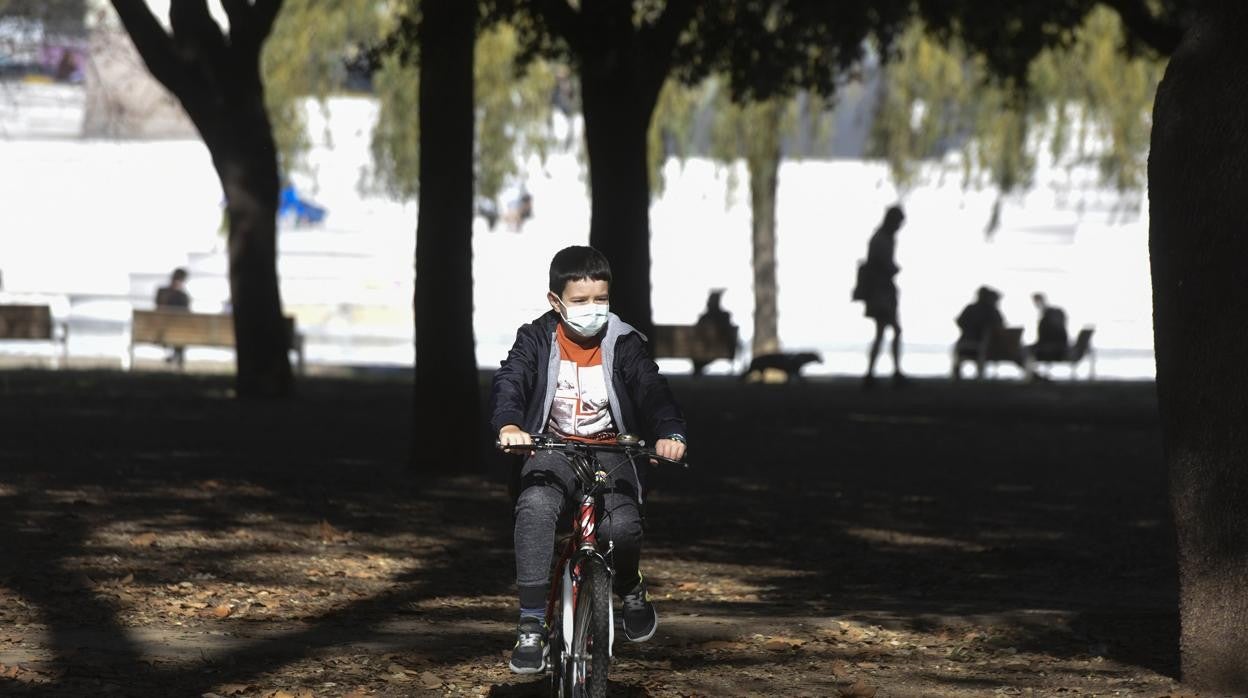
(160, 539)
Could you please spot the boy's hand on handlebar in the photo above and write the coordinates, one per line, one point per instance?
(512, 435)
(669, 448)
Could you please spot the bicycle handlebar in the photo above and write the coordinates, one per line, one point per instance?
(544, 442)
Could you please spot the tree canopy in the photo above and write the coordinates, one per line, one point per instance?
(1086, 92)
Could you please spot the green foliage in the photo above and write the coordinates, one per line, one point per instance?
(1000, 148)
(1109, 87)
(936, 92)
(312, 42)
(671, 127)
(396, 137)
(306, 56)
(926, 100)
(513, 108)
(782, 47)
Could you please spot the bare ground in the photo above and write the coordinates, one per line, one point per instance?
(158, 538)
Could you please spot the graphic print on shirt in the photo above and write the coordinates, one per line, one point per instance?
(581, 407)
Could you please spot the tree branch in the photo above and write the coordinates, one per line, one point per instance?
(195, 31)
(1162, 35)
(264, 13)
(239, 12)
(660, 38)
(658, 41)
(153, 43)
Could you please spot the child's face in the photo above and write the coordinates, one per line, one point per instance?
(580, 292)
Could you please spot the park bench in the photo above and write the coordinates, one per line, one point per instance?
(1080, 350)
(999, 344)
(697, 344)
(21, 322)
(177, 328)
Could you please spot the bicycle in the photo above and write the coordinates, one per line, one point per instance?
(580, 615)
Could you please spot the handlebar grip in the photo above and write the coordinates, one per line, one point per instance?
(527, 447)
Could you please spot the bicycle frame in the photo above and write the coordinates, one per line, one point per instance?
(566, 576)
(582, 545)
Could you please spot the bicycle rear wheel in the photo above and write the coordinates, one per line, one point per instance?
(591, 636)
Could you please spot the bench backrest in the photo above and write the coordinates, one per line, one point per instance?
(1004, 344)
(25, 322)
(687, 342)
(180, 328)
(1083, 343)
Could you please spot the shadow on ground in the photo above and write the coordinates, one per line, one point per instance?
(160, 538)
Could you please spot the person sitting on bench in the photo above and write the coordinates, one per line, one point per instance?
(976, 323)
(174, 297)
(714, 327)
(1052, 340)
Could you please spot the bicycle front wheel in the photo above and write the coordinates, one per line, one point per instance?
(591, 636)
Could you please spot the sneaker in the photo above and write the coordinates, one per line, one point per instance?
(529, 654)
(640, 618)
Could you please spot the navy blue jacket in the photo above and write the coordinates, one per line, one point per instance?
(640, 400)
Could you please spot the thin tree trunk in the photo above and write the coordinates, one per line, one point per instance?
(447, 395)
(617, 116)
(1197, 172)
(764, 163)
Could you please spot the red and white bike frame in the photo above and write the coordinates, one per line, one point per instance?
(566, 587)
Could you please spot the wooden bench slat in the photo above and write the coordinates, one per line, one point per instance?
(26, 322)
(179, 328)
(684, 342)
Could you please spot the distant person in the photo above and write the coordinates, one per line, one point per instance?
(878, 291)
(67, 68)
(519, 210)
(174, 297)
(563, 99)
(714, 327)
(563, 93)
(487, 209)
(975, 324)
(1052, 340)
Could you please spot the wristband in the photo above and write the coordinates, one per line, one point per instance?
(677, 437)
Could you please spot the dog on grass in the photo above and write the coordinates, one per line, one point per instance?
(779, 367)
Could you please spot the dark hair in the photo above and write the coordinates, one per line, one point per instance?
(577, 262)
(179, 274)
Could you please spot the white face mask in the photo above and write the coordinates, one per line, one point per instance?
(585, 320)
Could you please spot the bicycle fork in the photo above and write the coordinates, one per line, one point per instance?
(570, 584)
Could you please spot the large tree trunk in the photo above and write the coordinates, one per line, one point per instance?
(618, 106)
(1198, 173)
(446, 392)
(247, 166)
(218, 82)
(764, 163)
(235, 126)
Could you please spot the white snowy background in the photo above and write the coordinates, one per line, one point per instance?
(92, 227)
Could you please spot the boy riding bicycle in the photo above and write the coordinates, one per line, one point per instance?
(580, 372)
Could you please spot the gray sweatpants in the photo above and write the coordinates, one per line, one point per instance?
(548, 487)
